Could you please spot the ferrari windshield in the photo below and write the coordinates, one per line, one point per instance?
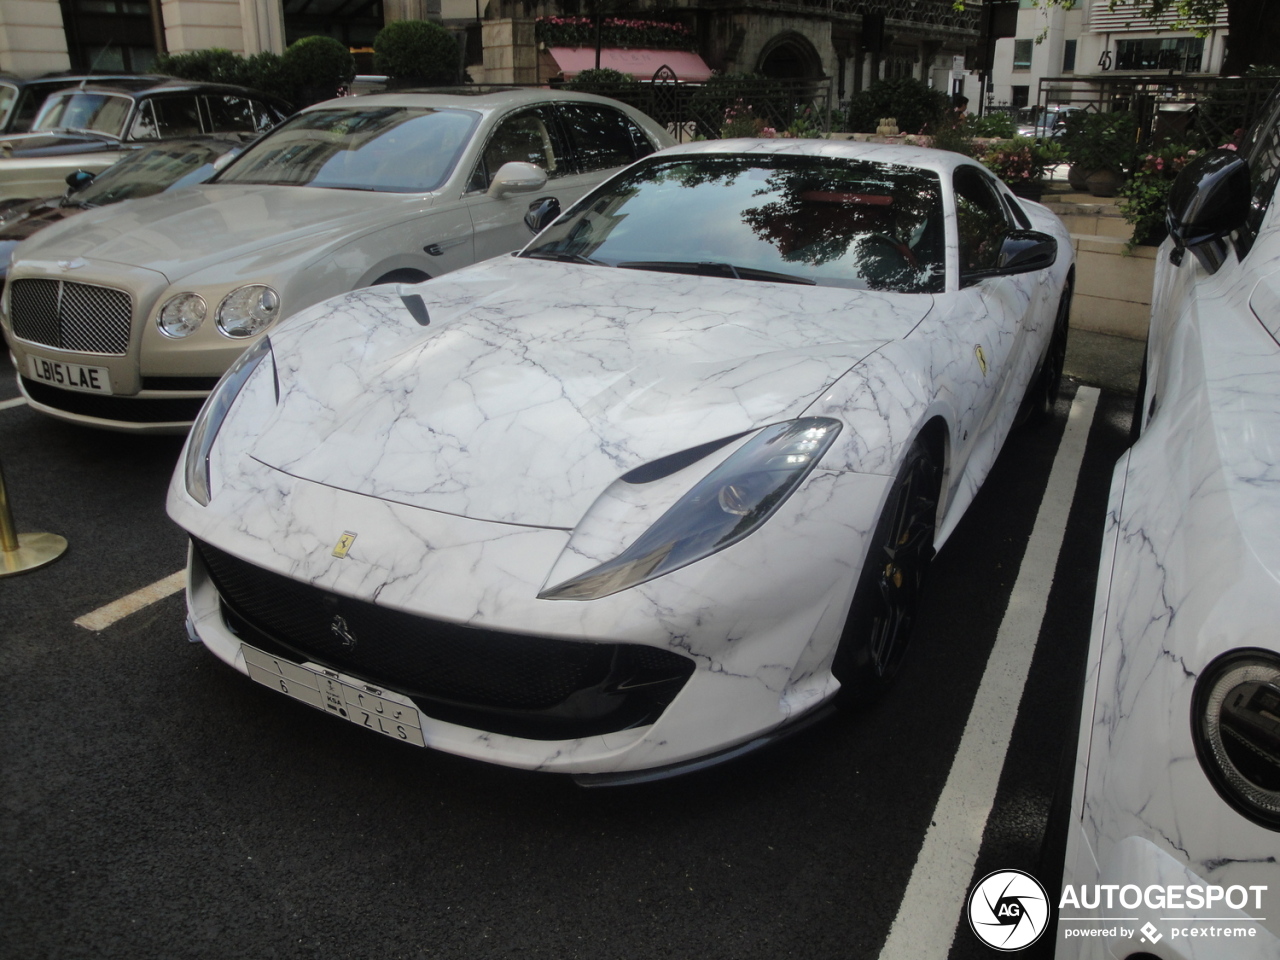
(150, 170)
(83, 112)
(818, 220)
(390, 149)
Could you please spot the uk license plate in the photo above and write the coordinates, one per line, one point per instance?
(70, 376)
(382, 711)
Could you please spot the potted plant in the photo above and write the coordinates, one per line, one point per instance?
(1021, 163)
(1146, 192)
(1101, 148)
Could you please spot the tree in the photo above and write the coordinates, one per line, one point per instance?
(1253, 29)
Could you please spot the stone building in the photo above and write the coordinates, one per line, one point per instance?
(1092, 40)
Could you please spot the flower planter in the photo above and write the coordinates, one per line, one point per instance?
(1029, 189)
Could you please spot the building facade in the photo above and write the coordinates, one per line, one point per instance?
(1092, 40)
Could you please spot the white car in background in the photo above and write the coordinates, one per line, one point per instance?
(648, 494)
(126, 317)
(1176, 801)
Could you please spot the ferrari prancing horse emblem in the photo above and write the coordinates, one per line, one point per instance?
(344, 544)
(982, 358)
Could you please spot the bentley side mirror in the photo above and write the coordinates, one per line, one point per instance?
(517, 177)
(541, 213)
(1207, 202)
(1023, 251)
(78, 179)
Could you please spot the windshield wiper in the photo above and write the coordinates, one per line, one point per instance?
(712, 268)
(564, 258)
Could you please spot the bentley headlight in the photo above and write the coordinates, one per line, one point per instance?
(247, 311)
(727, 505)
(205, 429)
(182, 315)
(1236, 727)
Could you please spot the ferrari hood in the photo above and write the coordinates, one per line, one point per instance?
(186, 231)
(534, 385)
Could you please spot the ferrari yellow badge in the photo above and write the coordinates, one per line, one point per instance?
(982, 359)
(344, 544)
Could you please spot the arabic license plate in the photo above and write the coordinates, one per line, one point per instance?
(70, 376)
(389, 714)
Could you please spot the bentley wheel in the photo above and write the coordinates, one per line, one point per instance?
(887, 598)
(1042, 393)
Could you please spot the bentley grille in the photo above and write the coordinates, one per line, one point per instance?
(71, 316)
(521, 685)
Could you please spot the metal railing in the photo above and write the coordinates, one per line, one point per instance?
(1208, 111)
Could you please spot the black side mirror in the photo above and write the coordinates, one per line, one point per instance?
(1025, 250)
(78, 179)
(1208, 201)
(541, 213)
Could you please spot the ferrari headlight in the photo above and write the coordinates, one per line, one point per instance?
(182, 315)
(247, 311)
(727, 505)
(1236, 728)
(205, 429)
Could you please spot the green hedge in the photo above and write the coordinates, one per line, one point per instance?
(416, 51)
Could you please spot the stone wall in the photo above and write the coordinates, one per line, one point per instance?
(32, 40)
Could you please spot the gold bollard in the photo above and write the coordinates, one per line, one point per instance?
(20, 552)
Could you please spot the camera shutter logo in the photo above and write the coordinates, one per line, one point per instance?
(1008, 910)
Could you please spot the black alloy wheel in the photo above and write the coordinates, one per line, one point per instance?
(1042, 392)
(887, 598)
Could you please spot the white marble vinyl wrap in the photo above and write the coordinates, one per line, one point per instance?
(1193, 521)
(475, 456)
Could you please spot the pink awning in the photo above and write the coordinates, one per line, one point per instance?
(641, 64)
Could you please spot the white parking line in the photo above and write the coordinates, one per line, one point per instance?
(15, 402)
(926, 923)
(104, 617)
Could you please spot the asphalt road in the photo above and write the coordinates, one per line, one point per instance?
(157, 804)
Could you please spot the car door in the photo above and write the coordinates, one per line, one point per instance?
(528, 135)
(994, 316)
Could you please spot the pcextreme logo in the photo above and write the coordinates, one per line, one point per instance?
(1008, 910)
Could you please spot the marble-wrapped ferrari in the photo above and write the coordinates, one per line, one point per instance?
(648, 493)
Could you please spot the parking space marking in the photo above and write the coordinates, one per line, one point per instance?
(927, 917)
(104, 617)
(15, 402)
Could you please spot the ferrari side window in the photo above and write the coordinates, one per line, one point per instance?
(981, 221)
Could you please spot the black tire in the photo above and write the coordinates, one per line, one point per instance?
(886, 600)
(1042, 392)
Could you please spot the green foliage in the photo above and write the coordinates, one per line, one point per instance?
(1146, 192)
(604, 81)
(262, 71)
(417, 50)
(1020, 160)
(1101, 141)
(318, 68)
(214, 65)
(999, 125)
(951, 131)
(614, 32)
(912, 102)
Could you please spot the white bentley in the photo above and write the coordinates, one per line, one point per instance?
(126, 318)
(647, 494)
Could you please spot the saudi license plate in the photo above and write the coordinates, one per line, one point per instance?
(70, 376)
(390, 714)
